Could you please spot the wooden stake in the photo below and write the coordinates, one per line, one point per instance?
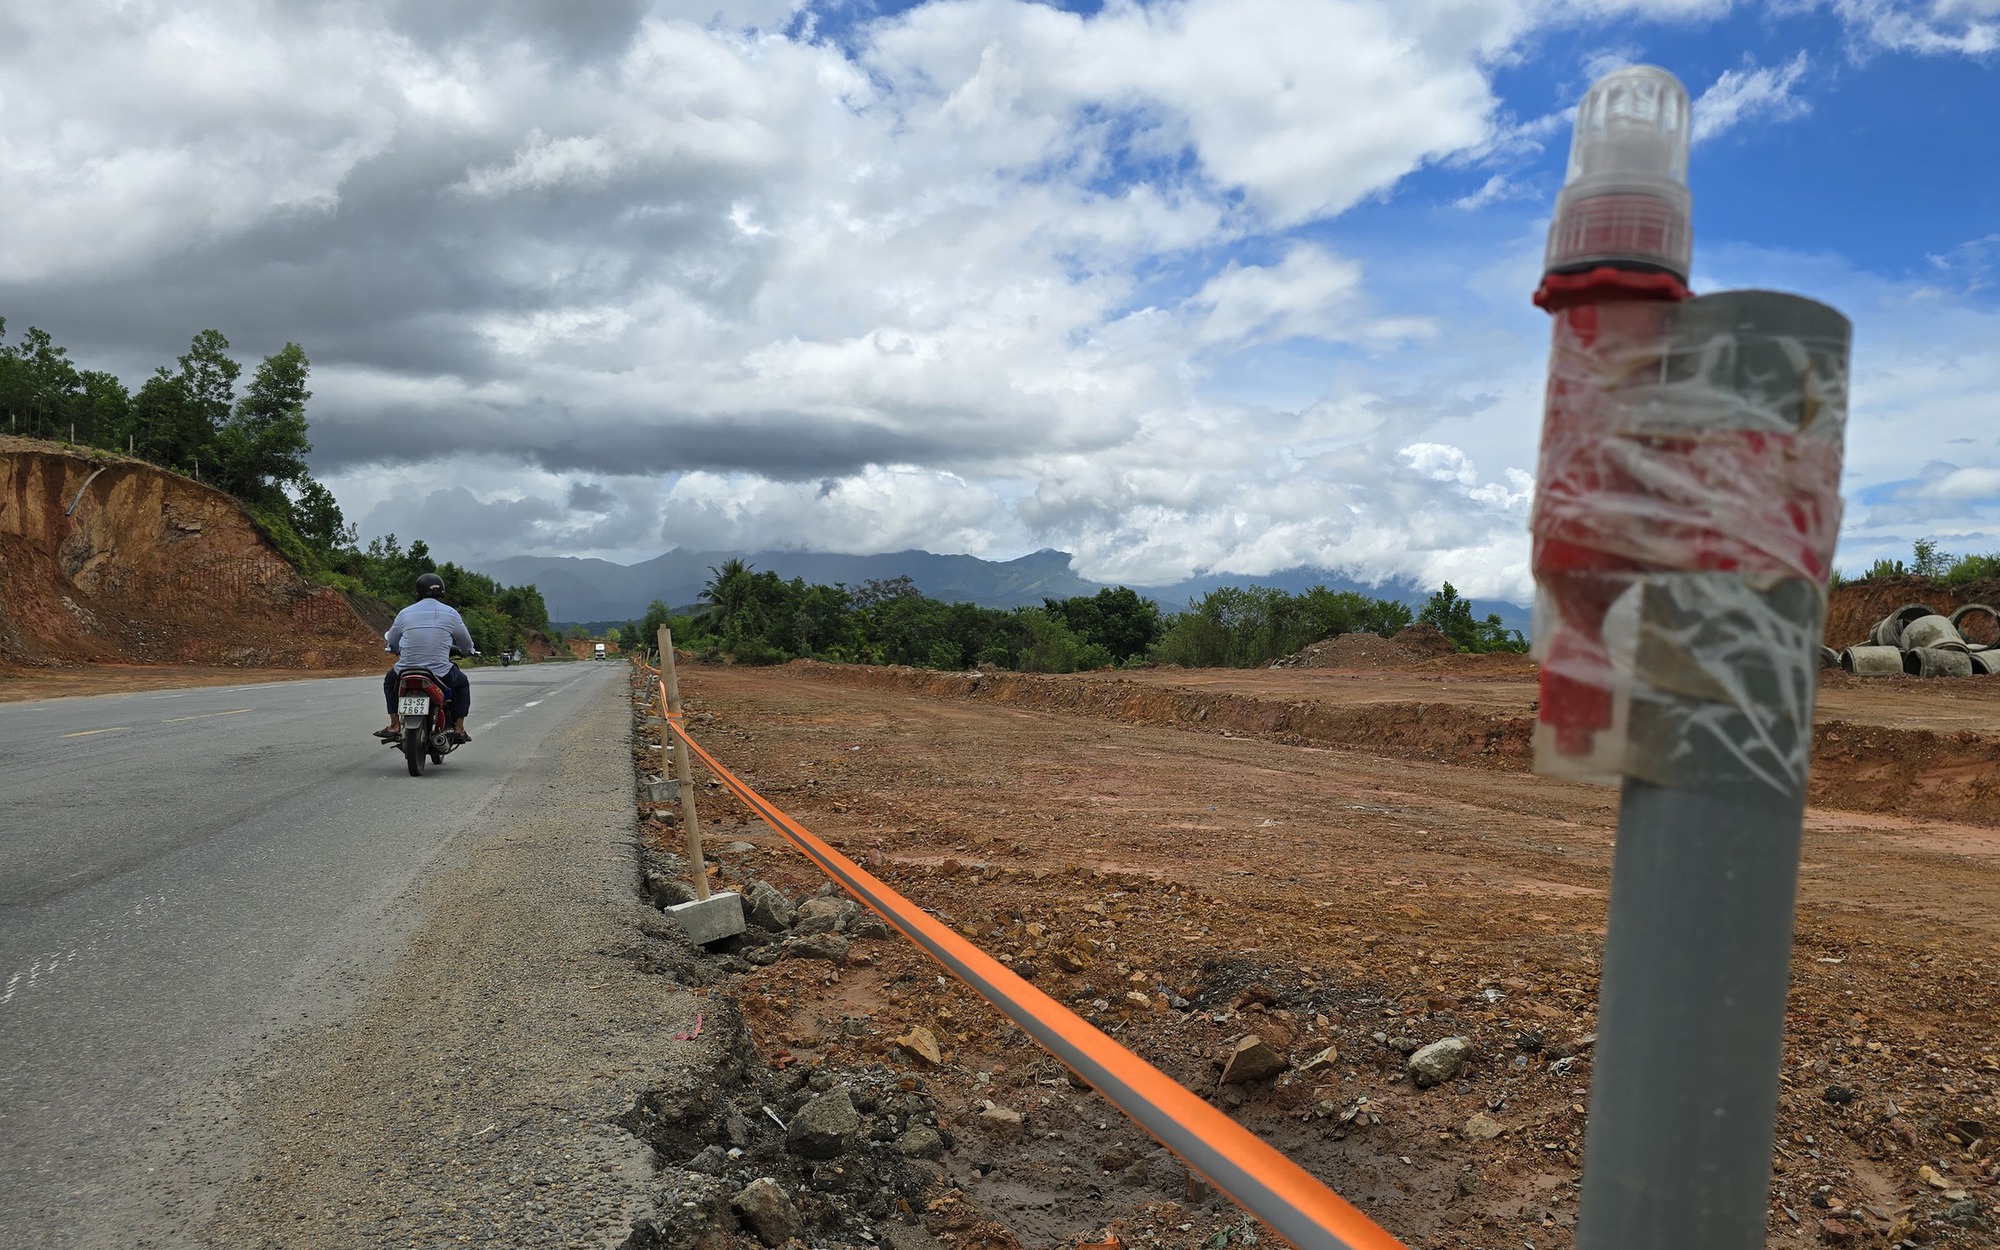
(690, 821)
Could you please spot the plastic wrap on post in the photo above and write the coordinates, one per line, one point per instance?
(1687, 503)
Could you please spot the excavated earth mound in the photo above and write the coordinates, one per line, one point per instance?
(109, 559)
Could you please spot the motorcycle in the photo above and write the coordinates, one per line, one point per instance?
(421, 703)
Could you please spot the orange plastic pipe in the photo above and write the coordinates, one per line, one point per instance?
(1255, 1176)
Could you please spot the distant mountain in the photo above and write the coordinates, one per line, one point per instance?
(597, 590)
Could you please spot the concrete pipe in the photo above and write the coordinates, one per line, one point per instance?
(1938, 662)
(1829, 658)
(1889, 631)
(1985, 663)
(1867, 661)
(1968, 610)
(1932, 631)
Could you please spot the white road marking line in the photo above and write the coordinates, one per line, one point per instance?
(204, 715)
(532, 703)
(85, 733)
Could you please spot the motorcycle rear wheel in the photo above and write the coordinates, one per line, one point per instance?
(413, 751)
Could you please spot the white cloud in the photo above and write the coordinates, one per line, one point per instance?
(985, 275)
(1927, 27)
(1750, 94)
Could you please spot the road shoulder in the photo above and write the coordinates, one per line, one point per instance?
(474, 1095)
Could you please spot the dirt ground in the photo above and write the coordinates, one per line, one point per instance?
(25, 685)
(1356, 860)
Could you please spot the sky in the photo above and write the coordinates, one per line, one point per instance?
(1180, 288)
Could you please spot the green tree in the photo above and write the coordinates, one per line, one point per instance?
(262, 445)
(178, 416)
(1453, 618)
(1928, 560)
(317, 518)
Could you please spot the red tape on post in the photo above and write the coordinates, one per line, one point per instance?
(1254, 1175)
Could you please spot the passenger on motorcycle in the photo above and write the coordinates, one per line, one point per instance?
(423, 637)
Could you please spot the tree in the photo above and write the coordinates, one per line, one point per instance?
(317, 518)
(1453, 618)
(1116, 618)
(263, 444)
(727, 595)
(1928, 561)
(179, 415)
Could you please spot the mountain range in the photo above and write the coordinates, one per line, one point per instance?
(591, 591)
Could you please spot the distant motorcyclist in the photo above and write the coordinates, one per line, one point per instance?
(423, 637)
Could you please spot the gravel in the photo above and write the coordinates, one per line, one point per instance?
(475, 1097)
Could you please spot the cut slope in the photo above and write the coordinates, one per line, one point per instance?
(107, 558)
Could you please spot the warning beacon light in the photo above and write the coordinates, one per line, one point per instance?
(1625, 201)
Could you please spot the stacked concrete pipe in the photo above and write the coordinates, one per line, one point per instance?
(1918, 640)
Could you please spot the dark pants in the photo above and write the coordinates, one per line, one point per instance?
(458, 693)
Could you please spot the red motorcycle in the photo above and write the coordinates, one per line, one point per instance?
(421, 703)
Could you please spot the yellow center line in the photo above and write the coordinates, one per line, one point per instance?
(85, 733)
(203, 715)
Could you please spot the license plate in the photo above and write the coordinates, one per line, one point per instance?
(414, 705)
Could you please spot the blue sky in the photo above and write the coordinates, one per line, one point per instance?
(1181, 287)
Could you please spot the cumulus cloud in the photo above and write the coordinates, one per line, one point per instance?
(974, 275)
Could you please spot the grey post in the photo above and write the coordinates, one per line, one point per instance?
(689, 820)
(1704, 879)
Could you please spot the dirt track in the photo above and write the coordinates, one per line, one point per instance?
(1317, 894)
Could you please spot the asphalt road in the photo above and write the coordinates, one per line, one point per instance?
(187, 877)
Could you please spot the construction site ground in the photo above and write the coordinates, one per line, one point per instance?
(1356, 858)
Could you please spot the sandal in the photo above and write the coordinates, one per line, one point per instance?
(388, 735)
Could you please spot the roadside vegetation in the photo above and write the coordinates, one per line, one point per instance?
(759, 618)
(1930, 561)
(190, 419)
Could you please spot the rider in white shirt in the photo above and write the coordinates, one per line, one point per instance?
(423, 637)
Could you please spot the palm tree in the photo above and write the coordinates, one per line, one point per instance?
(727, 595)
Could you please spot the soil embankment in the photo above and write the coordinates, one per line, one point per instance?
(104, 558)
(1479, 711)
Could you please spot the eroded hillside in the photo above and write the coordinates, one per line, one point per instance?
(106, 558)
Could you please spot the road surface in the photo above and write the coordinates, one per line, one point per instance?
(188, 877)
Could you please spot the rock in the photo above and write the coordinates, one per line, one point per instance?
(713, 1160)
(1117, 1158)
(1838, 1095)
(1321, 1061)
(1004, 1121)
(1439, 1061)
(764, 955)
(816, 915)
(1069, 960)
(1483, 1127)
(1403, 1045)
(1965, 1211)
(899, 1236)
(823, 1127)
(920, 1141)
(1251, 1060)
(769, 909)
(768, 1210)
(668, 892)
(828, 946)
(1835, 1233)
(1930, 1176)
(736, 1130)
(922, 1043)
(843, 920)
(869, 926)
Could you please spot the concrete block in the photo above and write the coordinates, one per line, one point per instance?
(710, 919)
(667, 791)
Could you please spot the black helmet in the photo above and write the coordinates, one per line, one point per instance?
(430, 586)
